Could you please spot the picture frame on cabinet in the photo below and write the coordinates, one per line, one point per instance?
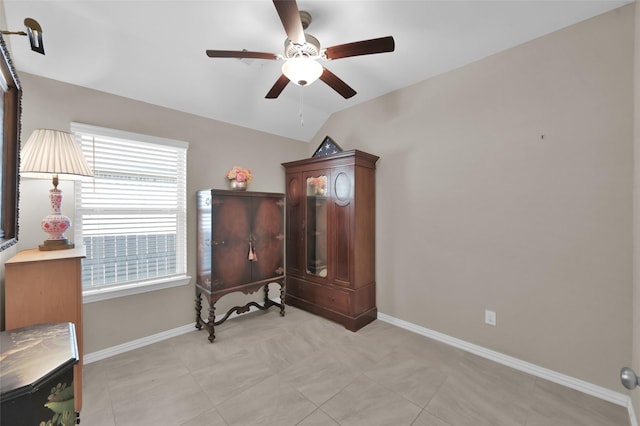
(11, 111)
(327, 147)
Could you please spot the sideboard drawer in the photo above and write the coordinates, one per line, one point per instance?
(330, 298)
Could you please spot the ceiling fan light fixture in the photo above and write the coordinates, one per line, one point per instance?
(302, 70)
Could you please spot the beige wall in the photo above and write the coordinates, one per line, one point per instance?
(636, 255)
(214, 148)
(507, 185)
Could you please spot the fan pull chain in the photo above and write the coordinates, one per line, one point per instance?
(301, 110)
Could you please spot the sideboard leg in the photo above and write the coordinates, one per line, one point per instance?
(266, 295)
(212, 320)
(198, 310)
(281, 300)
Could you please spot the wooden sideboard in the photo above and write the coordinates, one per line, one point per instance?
(46, 287)
(240, 249)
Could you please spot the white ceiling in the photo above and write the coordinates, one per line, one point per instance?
(154, 50)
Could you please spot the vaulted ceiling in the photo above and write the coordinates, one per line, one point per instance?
(154, 50)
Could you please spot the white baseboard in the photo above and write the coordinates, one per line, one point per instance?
(135, 344)
(632, 414)
(535, 370)
(144, 341)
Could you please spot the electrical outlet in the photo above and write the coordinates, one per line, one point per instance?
(490, 317)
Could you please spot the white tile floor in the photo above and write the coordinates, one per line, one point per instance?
(304, 370)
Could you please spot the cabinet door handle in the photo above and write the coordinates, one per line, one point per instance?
(253, 257)
(218, 243)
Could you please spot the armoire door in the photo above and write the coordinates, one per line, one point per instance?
(317, 204)
(343, 223)
(295, 224)
(267, 238)
(231, 219)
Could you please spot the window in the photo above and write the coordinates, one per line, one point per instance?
(131, 216)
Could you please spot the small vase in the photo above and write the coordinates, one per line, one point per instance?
(234, 185)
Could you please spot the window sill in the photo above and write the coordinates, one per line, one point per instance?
(97, 295)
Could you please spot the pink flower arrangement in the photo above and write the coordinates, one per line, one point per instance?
(318, 182)
(240, 174)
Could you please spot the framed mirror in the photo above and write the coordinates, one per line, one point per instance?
(10, 111)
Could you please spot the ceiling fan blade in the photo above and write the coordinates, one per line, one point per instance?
(290, 17)
(240, 54)
(364, 47)
(336, 84)
(278, 87)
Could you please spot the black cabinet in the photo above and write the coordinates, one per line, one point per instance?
(36, 375)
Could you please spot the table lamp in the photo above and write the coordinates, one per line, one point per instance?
(54, 153)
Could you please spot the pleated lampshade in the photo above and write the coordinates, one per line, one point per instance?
(53, 152)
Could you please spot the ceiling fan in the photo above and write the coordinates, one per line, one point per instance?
(301, 52)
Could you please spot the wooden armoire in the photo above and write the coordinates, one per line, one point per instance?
(330, 227)
(240, 249)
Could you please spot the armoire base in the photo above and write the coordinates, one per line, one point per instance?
(350, 323)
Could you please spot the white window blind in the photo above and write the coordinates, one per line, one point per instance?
(131, 216)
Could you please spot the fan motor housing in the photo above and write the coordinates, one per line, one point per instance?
(310, 48)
